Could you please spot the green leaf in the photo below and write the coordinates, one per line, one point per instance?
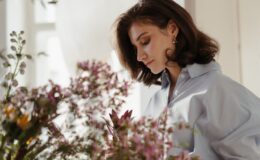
(15, 83)
(53, 2)
(19, 56)
(22, 71)
(13, 48)
(13, 40)
(8, 76)
(23, 42)
(10, 56)
(28, 56)
(14, 33)
(42, 54)
(22, 65)
(5, 84)
(2, 56)
(6, 64)
(24, 90)
(21, 32)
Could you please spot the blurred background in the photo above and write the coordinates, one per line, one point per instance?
(76, 30)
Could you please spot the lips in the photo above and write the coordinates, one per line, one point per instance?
(149, 62)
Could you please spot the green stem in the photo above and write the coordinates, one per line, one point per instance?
(21, 153)
(20, 47)
(3, 139)
(3, 148)
(13, 75)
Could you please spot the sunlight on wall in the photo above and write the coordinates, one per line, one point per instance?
(58, 69)
(44, 14)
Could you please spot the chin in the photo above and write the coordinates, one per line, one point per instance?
(156, 71)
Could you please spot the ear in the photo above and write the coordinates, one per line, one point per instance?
(172, 28)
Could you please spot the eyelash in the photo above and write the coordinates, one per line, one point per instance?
(145, 43)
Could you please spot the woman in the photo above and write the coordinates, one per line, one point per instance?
(158, 43)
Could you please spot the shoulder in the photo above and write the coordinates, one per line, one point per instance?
(221, 86)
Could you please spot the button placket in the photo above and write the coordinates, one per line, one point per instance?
(177, 90)
(177, 86)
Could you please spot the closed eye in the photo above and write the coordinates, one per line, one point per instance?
(145, 42)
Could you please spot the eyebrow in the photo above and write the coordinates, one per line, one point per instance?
(137, 39)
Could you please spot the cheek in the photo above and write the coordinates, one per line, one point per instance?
(155, 48)
(150, 50)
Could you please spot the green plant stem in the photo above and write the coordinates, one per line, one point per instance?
(2, 149)
(22, 151)
(3, 139)
(15, 69)
(12, 78)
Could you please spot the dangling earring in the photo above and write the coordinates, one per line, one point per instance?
(174, 41)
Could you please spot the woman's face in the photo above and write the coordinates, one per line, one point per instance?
(152, 44)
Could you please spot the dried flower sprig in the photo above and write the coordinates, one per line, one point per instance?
(18, 59)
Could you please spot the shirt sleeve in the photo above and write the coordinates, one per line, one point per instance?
(231, 121)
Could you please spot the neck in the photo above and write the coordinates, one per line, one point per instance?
(174, 71)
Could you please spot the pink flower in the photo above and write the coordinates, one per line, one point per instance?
(54, 94)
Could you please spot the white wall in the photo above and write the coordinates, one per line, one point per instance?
(250, 43)
(235, 24)
(84, 28)
(219, 19)
(2, 25)
(2, 37)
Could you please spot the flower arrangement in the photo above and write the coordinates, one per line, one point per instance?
(80, 121)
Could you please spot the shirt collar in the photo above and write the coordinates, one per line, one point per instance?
(194, 70)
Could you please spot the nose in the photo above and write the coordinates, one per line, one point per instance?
(141, 56)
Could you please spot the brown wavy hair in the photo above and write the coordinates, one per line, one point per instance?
(193, 45)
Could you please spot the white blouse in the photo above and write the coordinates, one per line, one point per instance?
(223, 115)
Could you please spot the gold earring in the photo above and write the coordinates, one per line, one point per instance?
(174, 41)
